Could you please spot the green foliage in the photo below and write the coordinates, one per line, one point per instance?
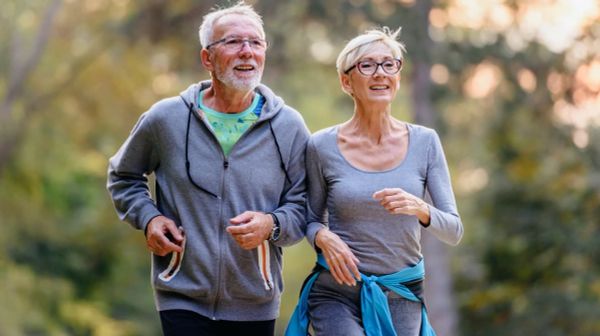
(540, 251)
(538, 243)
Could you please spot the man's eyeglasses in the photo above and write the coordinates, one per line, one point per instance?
(235, 43)
(368, 68)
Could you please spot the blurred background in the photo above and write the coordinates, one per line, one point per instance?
(513, 88)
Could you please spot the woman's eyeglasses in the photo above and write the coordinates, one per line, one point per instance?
(368, 68)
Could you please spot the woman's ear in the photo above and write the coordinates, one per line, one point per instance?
(205, 59)
(345, 82)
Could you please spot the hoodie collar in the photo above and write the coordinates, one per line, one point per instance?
(273, 103)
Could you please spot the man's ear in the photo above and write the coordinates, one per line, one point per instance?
(205, 59)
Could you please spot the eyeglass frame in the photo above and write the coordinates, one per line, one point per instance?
(244, 40)
(377, 65)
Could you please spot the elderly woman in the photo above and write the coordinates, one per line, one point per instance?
(367, 178)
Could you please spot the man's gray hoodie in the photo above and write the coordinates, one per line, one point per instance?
(216, 277)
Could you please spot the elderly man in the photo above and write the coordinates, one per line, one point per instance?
(228, 156)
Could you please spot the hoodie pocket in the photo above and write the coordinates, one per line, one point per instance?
(251, 275)
(264, 264)
(174, 265)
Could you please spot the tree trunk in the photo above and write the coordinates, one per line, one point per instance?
(12, 124)
(439, 297)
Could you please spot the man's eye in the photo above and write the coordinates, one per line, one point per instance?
(233, 42)
(256, 42)
(366, 65)
(389, 64)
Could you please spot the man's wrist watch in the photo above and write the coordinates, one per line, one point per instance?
(276, 231)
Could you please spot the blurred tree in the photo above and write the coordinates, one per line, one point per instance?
(440, 300)
(533, 170)
(20, 64)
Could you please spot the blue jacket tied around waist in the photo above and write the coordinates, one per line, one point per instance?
(376, 315)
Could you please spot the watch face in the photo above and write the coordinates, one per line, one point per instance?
(275, 232)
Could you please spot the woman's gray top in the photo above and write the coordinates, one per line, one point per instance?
(340, 197)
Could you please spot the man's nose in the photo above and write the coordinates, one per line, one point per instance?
(246, 50)
(246, 43)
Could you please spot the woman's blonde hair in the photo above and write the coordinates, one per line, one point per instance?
(360, 46)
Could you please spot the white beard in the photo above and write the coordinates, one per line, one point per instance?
(229, 78)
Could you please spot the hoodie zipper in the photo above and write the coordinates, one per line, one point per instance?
(221, 234)
(221, 229)
(221, 198)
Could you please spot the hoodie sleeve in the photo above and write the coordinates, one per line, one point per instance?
(292, 209)
(445, 223)
(127, 176)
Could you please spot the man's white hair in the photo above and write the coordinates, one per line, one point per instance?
(362, 44)
(241, 8)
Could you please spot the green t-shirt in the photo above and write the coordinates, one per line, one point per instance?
(229, 127)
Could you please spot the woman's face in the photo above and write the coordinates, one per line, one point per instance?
(378, 88)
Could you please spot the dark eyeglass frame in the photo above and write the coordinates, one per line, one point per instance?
(243, 39)
(377, 65)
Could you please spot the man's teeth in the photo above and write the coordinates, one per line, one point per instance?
(379, 87)
(244, 67)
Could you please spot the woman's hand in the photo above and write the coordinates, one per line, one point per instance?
(397, 201)
(342, 262)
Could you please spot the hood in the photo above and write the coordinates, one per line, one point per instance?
(273, 103)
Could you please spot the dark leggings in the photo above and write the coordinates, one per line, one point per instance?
(179, 322)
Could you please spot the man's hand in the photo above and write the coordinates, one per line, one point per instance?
(250, 228)
(163, 236)
(342, 262)
(397, 201)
